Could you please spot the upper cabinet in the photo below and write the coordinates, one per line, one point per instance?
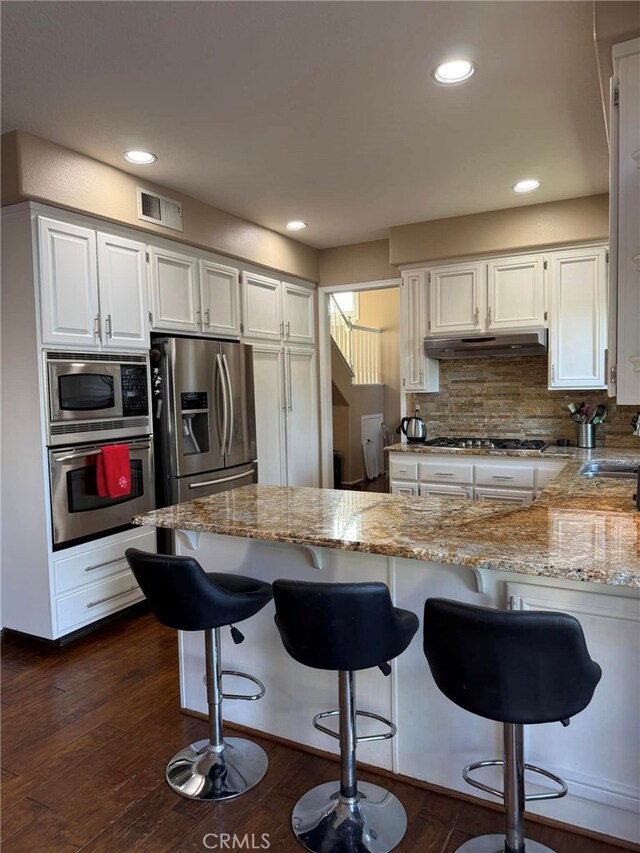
(515, 293)
(92, 288)
(175, 306)
(418, 373)
(457, 299)
(219, 299)
(277, 311)
(624, 199)
(577, 318)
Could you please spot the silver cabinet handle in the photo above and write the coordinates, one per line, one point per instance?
(496, 477)
(476, 316)
(103, 565)
(442, 474)
(108, 325)
(225, 413)
(230, 396)
(221, 480)
(207, 322)
(282, 328)
(288, 330)
(96, 326)
(489, 315)
(110, 597)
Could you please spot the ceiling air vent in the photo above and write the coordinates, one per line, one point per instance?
(159, 209)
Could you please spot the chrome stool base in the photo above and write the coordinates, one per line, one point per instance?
(496, 844)
(325, 822)
(201, 772)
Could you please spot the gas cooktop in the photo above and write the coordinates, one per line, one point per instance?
(488, 443)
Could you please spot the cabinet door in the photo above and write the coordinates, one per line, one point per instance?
(515, 293)
(219, 298)
(577, 320)
(440, 490)
(406, 490)
(68, 284)
(262, 307)
(520, 497)
(298, 311)
(123, 293)
(174, 292)
(303, 449)
(268, 378)
(418, 373)
(456, 299)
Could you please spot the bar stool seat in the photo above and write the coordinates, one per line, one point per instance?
(345, 627)
(185, 597)
(517, 668)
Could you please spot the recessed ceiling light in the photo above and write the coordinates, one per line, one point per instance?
(449, 73)
(296, 225)
(140, 158)
(527, 186)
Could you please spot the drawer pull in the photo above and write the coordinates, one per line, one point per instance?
(102, 565)
(115, 595)
(496, 477)
(442, 474)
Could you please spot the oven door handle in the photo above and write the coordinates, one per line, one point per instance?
(78, 454)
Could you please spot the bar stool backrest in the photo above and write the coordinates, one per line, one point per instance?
(516, 667)
(341, 626)
(183, 596)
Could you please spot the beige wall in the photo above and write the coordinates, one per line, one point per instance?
(356, 263)
(380, 309)
(39, 170)
(513, 229)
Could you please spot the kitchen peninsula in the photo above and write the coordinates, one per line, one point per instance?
(576, 549)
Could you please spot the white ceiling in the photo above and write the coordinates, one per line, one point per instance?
(321, 111)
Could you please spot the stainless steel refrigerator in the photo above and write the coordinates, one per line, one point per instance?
(204, 417)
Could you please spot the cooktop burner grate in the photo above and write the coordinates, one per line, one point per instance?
(488, 443)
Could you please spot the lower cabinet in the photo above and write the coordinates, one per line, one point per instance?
(287, 432)
(444, 490)
(406, 490)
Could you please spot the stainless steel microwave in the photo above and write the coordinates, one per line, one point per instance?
(96, 396)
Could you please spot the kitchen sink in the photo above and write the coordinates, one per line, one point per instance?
(617, 470)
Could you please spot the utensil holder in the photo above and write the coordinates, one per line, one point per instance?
(586, 435)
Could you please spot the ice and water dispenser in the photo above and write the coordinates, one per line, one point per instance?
(194, 410)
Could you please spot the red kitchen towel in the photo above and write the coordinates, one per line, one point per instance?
(113, 471)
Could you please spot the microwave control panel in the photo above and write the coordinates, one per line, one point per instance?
(134, 391)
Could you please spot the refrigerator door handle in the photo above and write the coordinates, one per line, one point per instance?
(221, 480)
(229, 391)
(225, 413)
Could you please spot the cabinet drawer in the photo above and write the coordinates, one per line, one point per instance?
(435, 490)
(522, 497)
(505, 475)
(92, 563)
(405, 489)
(443, 471)
(92, 602)
(401, 470)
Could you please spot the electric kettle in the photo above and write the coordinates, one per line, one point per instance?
(414, 429)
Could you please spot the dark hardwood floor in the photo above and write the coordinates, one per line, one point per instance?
(87, 730)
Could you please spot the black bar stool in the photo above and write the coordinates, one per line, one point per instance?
(345, 627)
(185, 597)
(517, 668)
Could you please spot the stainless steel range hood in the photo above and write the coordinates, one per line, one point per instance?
(511, 343)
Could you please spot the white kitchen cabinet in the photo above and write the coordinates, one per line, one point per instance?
(577, 318)
(271, 436)
(123, 293)
(298, 313)
(262, 307)
(219, 299)
(301, 417)
(515, 293)
(521, 497)
(174, 291)
(457, 299)
(405, 489)
(444, 490)
(624, 196)
(68, 284)
(418, 373)
(286, 415)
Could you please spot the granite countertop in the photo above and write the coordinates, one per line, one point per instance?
(550, 452)
(579, 529)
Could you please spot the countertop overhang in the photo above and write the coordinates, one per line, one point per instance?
(579, 529)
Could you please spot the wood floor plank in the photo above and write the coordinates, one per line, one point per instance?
(88, 730)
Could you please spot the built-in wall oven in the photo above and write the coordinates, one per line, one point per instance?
(93, 400)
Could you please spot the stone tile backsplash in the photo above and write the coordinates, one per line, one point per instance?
(509, 397)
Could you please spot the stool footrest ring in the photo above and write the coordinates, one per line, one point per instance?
(552, 795)
(363, 738)
(247, 697)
